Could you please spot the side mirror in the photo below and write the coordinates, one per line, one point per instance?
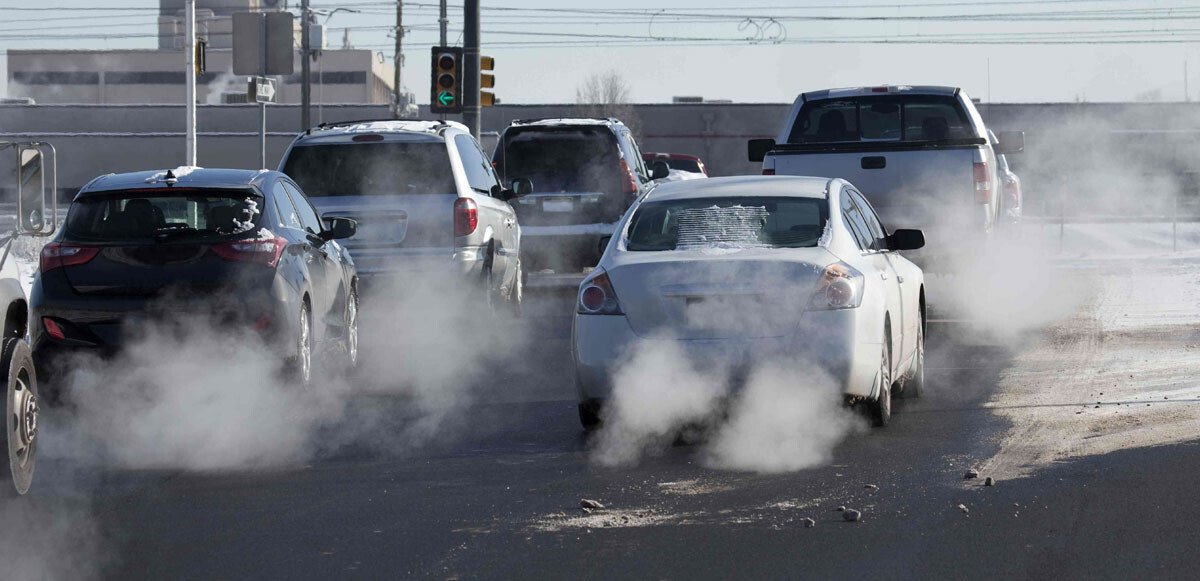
(36, 207)
(1010, 142)
(759, 148)
(906, 240)
(340, 228)
(659, 170)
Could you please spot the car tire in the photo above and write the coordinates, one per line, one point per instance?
(516, 296)
(299, 365)
(881, 407)
(914, 384)
(21, 406)
(350, 361)
(589, 415)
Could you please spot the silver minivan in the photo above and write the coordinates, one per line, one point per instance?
(425, 196)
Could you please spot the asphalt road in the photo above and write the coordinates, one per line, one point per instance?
(1081, 490)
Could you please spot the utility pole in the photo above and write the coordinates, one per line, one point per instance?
(442, 23)
(398, 60)
(305, 68)
(189, 48)
(470, 95)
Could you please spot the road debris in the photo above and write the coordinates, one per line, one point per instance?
(589, 505)
(964, 509)
(972, 473)
(989, 481)
(808, 522)
(851, 515)
(871, 487)
(841, 508)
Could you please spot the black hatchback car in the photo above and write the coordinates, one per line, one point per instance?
(235, 247)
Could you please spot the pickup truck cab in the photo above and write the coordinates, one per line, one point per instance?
(32, 176)
(920, 154)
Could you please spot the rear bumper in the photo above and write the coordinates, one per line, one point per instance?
(104, 325)
(825, 339)
(395, 262)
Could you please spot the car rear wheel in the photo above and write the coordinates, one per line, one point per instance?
(881, 407)
(299, 365)
(516, 296)
(914, 384)
(21, 406)
(351, 360)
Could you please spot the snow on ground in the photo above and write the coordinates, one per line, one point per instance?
(1122, 372)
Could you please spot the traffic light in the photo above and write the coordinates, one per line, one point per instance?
(486, 81)
(446, 80)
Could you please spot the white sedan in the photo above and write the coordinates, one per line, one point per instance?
(742, 269)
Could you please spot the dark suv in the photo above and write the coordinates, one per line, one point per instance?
(585, 174)
(243, 249)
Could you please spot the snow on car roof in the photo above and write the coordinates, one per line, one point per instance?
(389, 126)
(789, 186)
(565, 121)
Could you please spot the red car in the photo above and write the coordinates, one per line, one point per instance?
(677, 161)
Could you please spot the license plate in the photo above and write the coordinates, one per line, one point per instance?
(560, 205)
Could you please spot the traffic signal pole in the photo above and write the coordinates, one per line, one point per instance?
(470, 82)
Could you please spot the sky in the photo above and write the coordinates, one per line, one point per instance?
(717, 49)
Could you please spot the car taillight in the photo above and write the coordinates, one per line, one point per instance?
(983, 183)
(1014, 199)
(56, 255)
(840, 287)
(466, 216)
(597, 297)
(262, 251)
(770, 171)
(53, 329)
(628, 185)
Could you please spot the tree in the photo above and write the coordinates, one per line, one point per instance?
(607, 95)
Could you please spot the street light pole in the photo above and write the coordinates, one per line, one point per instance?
(189, 48)
(305, 69)
(398, 59)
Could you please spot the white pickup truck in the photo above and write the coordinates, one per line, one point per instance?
(920, 154)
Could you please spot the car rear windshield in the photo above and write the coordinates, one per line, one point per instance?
(883, 118)
(569, 159)
(371, 169)
(681, 164)
(164, 214)
(734, 222)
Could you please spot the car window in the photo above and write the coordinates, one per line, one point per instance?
(732, 222)
(475, 164)
(631, 155)
(372, 168)
(561, 159)
(283, 205)
(637, 154)
(855, 222)
(874, 226)
(308, 216)
(882, 118)
(165, 214)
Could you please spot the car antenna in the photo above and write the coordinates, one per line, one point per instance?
(170, 178)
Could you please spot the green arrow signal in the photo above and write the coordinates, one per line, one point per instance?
(446, 98)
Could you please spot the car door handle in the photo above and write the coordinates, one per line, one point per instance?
(883, 275)
(899, 279)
